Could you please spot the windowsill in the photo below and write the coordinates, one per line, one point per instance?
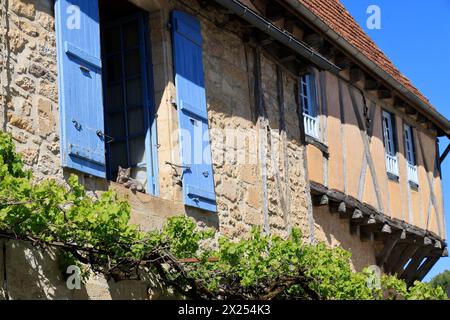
(393, 177)
(318, 144)
(413, 186)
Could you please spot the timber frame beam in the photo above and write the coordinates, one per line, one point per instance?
(402, 242)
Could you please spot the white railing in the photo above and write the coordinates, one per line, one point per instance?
(412, 174)
(311, 126)
(392, 165)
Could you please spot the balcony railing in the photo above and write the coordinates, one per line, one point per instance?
(311, 126)
(392, 165)
(412, 174)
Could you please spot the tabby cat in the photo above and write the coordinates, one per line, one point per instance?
(124, 178)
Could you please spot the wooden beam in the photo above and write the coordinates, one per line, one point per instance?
(314, 40)
(398, 264)
(260, 5)
(445, 154)
(384, 94)
(371, 84)
(343, 62)
(389, 245)
(328, 51)
(410, 111)
(366, 236)
(424, 269)
(355, 230)
(416, 260)
(400, 104)
(356, 75)
(287, 58)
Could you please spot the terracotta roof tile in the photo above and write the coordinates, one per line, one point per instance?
(334, 14)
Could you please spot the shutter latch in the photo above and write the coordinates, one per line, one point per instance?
(177, 176)
(103, 136)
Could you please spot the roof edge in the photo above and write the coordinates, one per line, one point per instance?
(440, 120)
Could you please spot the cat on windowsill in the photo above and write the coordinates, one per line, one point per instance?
(124, 178)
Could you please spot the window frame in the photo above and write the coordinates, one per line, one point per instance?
(390, 144)
(149, 134)
(308, 105)
(410, 154)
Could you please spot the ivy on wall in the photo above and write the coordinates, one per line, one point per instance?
(95, 234)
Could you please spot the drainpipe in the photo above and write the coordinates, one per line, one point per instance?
(278, 34)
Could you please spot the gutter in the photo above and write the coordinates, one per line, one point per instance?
(442, 122)
(278, 34)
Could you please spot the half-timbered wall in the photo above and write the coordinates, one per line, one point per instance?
(351, 129)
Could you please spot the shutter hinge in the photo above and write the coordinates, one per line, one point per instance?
(169, 25)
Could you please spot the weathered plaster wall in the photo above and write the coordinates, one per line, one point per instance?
(336, 233)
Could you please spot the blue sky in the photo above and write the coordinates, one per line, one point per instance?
(415, 35)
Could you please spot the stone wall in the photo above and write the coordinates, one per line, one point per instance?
(29, 85)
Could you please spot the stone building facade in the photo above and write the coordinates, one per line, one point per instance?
(266, 171)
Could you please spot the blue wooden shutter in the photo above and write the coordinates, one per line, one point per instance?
(80, 86)
(198, 180)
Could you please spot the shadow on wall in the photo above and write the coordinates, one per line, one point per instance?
(33, 273)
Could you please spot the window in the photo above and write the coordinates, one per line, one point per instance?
(309, 111)
(410, 155)
(106, 92)
(390, 144)
(127, 89)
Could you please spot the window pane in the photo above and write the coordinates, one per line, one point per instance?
(115, 98)
(118, 156)
(131, 34)
(112, 39)
(116, 125)
(134, 95)
(114, 68)
(132, 63)
(136, 121)
(137, 151)
(306, 106)
(305, 89)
